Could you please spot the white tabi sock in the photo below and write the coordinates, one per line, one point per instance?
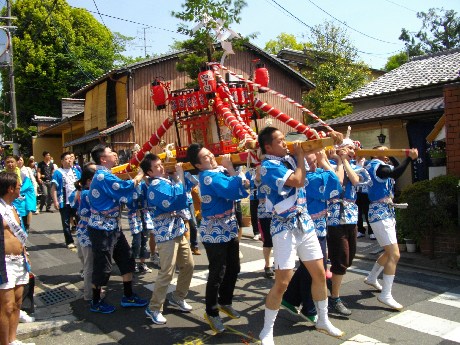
(385, 296)
(323, 324)
(266, 335)
(371, 278)
(375, 272)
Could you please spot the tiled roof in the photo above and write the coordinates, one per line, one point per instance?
(84, 139)
(117, 128)
(96, 134)
(420, 71)
(390, 111)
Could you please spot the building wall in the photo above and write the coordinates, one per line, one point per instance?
(396, 138)
(452, 113)
(51, 144)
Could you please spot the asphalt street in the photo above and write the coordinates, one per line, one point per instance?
(431, 314)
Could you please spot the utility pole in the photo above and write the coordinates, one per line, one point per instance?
(13, 111)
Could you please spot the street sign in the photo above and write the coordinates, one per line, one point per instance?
(4, 41)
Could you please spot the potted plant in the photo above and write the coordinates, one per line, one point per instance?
(437, 153)
(245, 211)
(432, 206)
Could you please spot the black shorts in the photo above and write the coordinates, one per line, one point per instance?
(265, 227)
(107, 245)
(341, 247)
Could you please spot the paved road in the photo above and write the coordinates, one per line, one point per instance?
(431, 300)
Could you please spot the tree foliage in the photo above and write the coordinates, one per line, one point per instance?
(331, 64)
(212, 14)
(283, 41)
(396, 60)
(335, 69)
(440, 31)
(57, 50)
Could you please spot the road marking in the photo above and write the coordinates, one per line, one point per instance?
(250, 246)
(446, 329)
(201, 277)
(448, 298)
(357, 270)
(362, 340)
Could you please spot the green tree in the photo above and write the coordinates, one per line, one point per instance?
(57, 50)
(440, 31)
(335, 69)
(283, 41)
(396, 60)
(203, 40)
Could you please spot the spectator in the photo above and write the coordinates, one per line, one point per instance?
(63, 184)
(45, 171)
(14, 265)
(31, 194)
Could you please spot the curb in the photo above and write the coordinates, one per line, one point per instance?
(37, 328)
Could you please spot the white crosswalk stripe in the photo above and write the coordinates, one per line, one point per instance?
(360, 339)
(428, 324)
(448, 298)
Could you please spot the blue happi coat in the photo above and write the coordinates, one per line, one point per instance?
(106, 193)
(218, 192)
(166, 201)
(320, 186)
(380, 192)
(287, 204)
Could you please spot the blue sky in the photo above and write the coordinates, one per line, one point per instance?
(380, 19)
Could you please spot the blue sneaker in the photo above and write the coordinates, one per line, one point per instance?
(133, 301)
(101, 307)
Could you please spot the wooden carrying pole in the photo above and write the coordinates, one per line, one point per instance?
(380, 153)
(240, 158)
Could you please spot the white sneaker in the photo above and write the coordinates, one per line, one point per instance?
(325, 326)
(156, 316)
(390, 302)
(181, 304)
(25, 318)
(155, 258)
(372, 283)
(256, 237)
(372, 237)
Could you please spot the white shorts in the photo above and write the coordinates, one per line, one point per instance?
(15, 271)
(385, 231)
(289, 244)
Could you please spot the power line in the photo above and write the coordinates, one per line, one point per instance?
(348, 26)
(102, 19)
(319, 33)
(132, 21)
(407, 8)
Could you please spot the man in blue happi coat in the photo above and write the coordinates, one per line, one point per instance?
(106, 194)
(220, 186)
